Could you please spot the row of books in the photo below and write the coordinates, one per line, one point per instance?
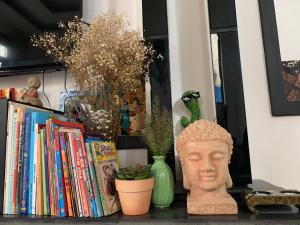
(12, 93)
(53, 168)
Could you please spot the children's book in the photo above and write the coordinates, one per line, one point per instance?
(99, 210)
(36, 118)
(105, 158)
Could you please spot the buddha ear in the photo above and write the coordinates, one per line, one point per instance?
(186, 181)
(228, 182)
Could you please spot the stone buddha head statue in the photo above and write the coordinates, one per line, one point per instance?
(205, 149)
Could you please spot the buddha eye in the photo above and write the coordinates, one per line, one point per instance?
(218, 156)
(194, 157)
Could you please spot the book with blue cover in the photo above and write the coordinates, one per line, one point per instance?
(36, 118)
(24, 193)
(94, 182)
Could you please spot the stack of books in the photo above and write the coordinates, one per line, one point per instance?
(53, 168)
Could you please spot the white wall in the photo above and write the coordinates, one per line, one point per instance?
(273, 141)
(287, 17)
(132, 9)
(190, 58)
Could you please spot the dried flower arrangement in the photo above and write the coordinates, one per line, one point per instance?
(158, 130)
(106, 60)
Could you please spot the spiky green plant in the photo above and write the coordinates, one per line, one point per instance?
(158, 130)
(137, 172)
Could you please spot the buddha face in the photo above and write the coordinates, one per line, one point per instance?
(205, 165)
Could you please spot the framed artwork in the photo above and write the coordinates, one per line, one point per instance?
(283, 75)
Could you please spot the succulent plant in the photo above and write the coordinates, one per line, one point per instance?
(135, 172)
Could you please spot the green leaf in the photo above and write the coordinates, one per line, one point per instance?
(137, 172)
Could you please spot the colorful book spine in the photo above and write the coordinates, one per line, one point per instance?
(47, 189)
(34, 168)
(51, 168)
(21, 160)
(24, 196)
(10, 120)
(36, 118)
(84, 200)
(75, 175)
(31, 168)
(86, 178)
(11, 165)
(15, 164)
(94, 180)
(39, 182)
(98, 175)
(60, 182)
(44, 175)
(73, 186)
(66, 174)
(92, 194)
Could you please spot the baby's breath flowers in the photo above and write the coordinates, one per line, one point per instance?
(106, 59)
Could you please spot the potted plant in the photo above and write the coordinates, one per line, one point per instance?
(158, 133)
(134, 185)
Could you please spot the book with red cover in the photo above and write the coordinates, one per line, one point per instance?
(85, 205)
(66, 174)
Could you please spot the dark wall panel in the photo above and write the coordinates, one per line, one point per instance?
(222, 13)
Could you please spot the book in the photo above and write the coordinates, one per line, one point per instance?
(14, 170)
(57, 186)
(46, 173)
(24, 193)
(21, 160)
(39, 170)
(15, 163)
(66, 175)
(10, 121)
(60, 181)
(96, 192)
(105, 158)
(11, 165)
(74, 174)
(44, 170)
(87, 179)
(79, 170)
(36, 118)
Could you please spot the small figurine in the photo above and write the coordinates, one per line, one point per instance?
(205, 150)
(31, 95)
(125, 119)
(190, 99)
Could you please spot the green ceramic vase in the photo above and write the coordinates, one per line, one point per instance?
(163, 191)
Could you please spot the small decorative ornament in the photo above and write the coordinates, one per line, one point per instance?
(190, 99)
(204, 150)
(31, 95)
(99, 122)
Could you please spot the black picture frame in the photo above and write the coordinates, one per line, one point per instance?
(280, 106)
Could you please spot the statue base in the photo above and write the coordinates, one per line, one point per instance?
(220, 207)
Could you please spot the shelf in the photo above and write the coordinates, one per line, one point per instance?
(174, 215)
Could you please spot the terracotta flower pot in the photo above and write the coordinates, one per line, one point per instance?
(135, 195)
